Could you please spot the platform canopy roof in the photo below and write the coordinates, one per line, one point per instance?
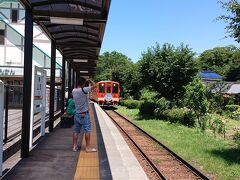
(76, 26)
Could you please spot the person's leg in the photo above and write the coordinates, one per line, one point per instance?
(87, 130)
(75, 139)
(76, 131)
(87, 139)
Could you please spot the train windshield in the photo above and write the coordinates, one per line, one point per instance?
(108, 89)
(115, 88)
(101, 88)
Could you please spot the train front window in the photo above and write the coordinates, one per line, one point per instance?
(115, 88)
(101, 88)
(108, 89)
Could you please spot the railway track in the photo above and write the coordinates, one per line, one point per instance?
(165, 164)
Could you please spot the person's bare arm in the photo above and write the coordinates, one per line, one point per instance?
(93, 84)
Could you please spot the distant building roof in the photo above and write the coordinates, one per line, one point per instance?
(234, 89)
(210, 75)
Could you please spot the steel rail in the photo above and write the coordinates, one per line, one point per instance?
(161, 176)
(195, 171)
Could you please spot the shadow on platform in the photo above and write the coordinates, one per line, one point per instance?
(52, 158)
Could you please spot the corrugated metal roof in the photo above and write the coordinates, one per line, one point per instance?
(234, 89)
(210, 75)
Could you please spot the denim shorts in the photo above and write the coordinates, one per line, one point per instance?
(82, 120)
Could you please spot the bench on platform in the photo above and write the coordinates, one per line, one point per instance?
(66, 121)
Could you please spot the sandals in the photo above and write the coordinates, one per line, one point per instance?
(75, 148)
(91, 150)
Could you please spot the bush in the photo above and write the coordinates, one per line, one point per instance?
(161, 105)
(232, 108)
(236, 115)
(217, 124)
(147, 107)
(182, 116)
(131, 104)
(236, 138)
(148, 95)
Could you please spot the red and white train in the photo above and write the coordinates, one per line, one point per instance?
(107, 93)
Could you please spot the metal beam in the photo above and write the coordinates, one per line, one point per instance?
(80, 53)
(45, 19)
(27, 81)
(73, 79)
(63, 85)
(52, 85)
(74, 2)
(82, 45)
(69, 79)
(76, 50)
(84, 25)
(26, 4)
(73, 31)
(76, 37)
(53, 13)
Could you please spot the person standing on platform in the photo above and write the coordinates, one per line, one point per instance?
(81, 118)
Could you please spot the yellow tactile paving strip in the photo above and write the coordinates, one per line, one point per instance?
(88, 163)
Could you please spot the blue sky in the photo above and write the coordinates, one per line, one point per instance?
(135, 25)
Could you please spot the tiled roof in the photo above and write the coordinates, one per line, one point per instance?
(210, 75)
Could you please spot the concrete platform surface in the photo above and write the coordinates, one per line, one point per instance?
(53, 159)
(123, 163)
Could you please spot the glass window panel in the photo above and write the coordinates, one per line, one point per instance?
(5, 4)
(48, 62)
(115, 88)
(2, 25)
(101, 88)
(14, 15)
(109, 89)
(1, 55)
(14, 5)
(6, 14)
(12, 37)
(13, 55)
(38, 56)
(2, 36)
(21, 14)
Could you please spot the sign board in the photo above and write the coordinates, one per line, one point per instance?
(11, 71)
(38, 99)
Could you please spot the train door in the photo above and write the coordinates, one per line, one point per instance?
(115, 92)
(101, 91)
(108, 96)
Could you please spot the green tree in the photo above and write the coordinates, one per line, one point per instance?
(196, 100)
(117, 67)
(233, 71)
(216, 59)
(233, 18)
(167, 69)
(223, 60)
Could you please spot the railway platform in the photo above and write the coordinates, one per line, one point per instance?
(53, 157)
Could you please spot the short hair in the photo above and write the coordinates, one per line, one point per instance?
(81, 81)
(70, 96)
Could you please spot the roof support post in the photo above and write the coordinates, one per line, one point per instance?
(63, 85)
(52, 85)
(69, 79)
(73, 79)
(27, 81)
(77, 78)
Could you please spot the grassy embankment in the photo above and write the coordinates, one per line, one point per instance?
(216, 156)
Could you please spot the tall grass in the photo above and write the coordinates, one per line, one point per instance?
(219, 158)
